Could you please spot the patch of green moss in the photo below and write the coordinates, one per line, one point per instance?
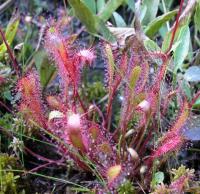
(9, 180)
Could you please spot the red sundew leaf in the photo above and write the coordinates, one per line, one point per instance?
(113, 172)
(105, 148)
(68, 66)
(184, 114)
(170, 145)
(179, 124)
(94, 131)
(31, 104)
(76, 139)
(178, 185)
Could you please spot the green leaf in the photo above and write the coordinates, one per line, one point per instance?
(7, 95)
(197, 103)
(150, 45)
(44, 67)
(119, 20)
(10, 33)
(142, 12)
(84, 14)
(91, 21)
(158, 178)
(182, 49)
(100, 5)
(156, 24)
(12, 27)
(197, 16)
(131, 4)
(91, 5)
(109, 8)
(166, 41)
(104, 31)
(152, 8)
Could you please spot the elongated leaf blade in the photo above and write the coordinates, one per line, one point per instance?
(109, 8)
(197, 16)
(119, 20)
(152, 9)
(182, 49)
(157, 23)
(10, 33)
(90, 20)
(91, 5)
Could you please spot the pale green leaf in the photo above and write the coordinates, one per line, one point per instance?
(91, 5)
(156, 24)
(10, 33)
(150, 45)
(181, 51)
(152, 9)
(119, 20)
(100, 5)
(11, 28)
(109, 8)
(158, 178)
(90, 20)
(131, 4)
(197, 16)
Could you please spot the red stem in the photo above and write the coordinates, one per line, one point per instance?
(42, 166)
(109, 109)
(175, 27)
(39, 157)
(12, 57)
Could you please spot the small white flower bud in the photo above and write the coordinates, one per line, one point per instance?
(55, 114)
(128, 133)
(28, 18)
(143, 169)
(133, 153)
(144, 105)
(74, 121)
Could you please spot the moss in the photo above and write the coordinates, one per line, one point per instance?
(126, 187)
(9, 180)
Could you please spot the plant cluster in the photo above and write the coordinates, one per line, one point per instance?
(129, 151)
